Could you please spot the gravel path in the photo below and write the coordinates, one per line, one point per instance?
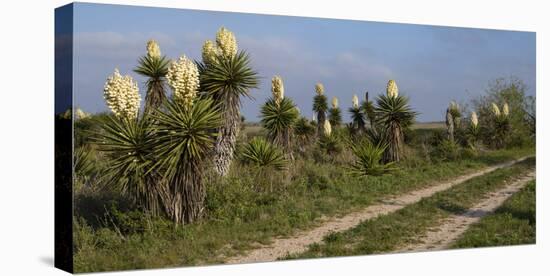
(299, 243)
(450, 229)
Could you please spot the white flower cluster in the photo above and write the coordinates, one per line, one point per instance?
(121, 93)
(334, 102)
(183, 77)
(227, 43)
(80, 114)
(153, 49)
(209, 52)
(355, 101)
(319, 89)
(277, 89)
(505, 109)
(473, 119)
(496, 110)
(327, 128)
(391, 89)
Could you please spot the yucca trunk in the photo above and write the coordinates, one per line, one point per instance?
(227, 138)
(395, 143)
(450, 126)
(321, 117)
(155, 95)
(186, 199)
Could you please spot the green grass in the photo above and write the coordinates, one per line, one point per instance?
(388, 232)
(513, 223)
(240, 215)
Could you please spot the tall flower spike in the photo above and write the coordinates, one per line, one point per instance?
(277, 89)
(334, 102)
(391, 89)
(473, 119)
(209, 52)
(121, 93)
(153, 49)
(319, 89)
(505, 109)
(226, 42)
(327, 128)
(496, 110)
(355, 101)
(183, 77)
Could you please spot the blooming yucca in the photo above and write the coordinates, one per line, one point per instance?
(327, 128)
(473, 119)
(505, 109)
(391, 89)
(355, 101)
(227, 43)
(121, 93)
(153, 49)
(334, 102)
(277, 89)
(209, 52)
(496, 110)
(319, 89)
(183, 77)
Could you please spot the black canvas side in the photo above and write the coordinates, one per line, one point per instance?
(64, 138)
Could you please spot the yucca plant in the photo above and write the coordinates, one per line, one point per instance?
(127, 144)
(335, 114)
(154, 66)
(226, 76)
(262, 154)
(472, 131)
(182, 146)
(329, 142)
(278, 117)
(501, 126)
(393, 114)
(304, 132)
(456, 114)
(125, 140)
(320, 107)
(357, 116)
(367, 107)
(369, 160)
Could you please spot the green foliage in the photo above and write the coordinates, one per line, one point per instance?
(447, 150)
(262, 154)
(357, 120)
(393, 114)
(279, 120)
(331, 145)
(127, 145)
(228, 79)
(335, 117)
(304, 131)
(369, 160)
(320, 104)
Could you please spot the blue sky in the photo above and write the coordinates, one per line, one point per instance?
(432, 65)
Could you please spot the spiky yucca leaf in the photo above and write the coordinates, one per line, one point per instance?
(357, 119)
(335, 116)
(155, 69)
(128, 148)
(369, 160)
(262, 154)
(184, 140)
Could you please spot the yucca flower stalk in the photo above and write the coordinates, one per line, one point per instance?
(393, 114)
(121, 93)
(357, 116)
(329, 141)
(154, 66)
(320, 107)
(368, 109)
(226, 76)
(279, 115)
(473, 130)
(335, 114)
